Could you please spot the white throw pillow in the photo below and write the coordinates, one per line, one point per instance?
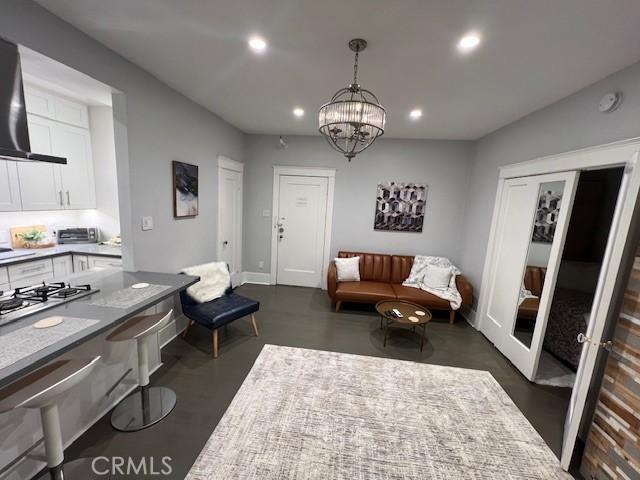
(214, 281)
(437, 277)
(348, 269)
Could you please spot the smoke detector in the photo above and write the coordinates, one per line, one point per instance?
(610, 102)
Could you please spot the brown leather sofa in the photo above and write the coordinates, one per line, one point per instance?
(533, 281)
(381, 278)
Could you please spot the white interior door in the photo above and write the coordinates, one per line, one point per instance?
(604, 298)
(301, 224)
(230, 220)
(533, 215)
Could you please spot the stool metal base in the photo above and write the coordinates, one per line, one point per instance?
(80, 469)
(143, 408)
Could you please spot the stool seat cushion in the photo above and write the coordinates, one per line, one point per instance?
(44, 385)
(140, 326)
(221, 311)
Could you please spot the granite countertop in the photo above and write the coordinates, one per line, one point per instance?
(107, 281)
(59, 250)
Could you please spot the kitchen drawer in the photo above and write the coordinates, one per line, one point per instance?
(38, 268)
(104, 262)
(4, 278)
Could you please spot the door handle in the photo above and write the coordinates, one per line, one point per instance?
(61, 200)
(280, 237)
(225, 243)
(582, 338)
(68, 199)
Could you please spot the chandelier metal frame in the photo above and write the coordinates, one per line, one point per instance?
(354, 118)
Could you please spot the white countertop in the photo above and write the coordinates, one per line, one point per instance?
(78, 248)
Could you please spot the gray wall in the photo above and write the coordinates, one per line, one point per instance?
(573, 122)
(162, 125)
(443, 165)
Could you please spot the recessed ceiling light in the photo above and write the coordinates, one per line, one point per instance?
(469, 42)
(257, 44)
(298, 112)
(415, 114)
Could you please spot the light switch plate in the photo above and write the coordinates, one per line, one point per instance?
(147, 223)
(266, 213)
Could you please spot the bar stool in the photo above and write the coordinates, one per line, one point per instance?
(148, 405)
(42, 389)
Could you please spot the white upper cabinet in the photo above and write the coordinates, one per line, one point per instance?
(40, 181)
(76, 176)
(9, 187)
(57, 127)
(49, 105)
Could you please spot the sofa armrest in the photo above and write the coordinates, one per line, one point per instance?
(332, 280)
(465, 289)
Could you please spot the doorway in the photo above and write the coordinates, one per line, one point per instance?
(545, 191)
(230, 181)
(302, 213)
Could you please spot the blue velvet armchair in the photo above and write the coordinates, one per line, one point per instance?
(218, 313)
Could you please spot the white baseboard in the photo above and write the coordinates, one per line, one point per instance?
(470, 316)
(258, 278)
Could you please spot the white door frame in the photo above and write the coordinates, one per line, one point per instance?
(226, 163)
(625, 154)
(330, 174)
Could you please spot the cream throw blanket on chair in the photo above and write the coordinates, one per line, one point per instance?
(418, 271)
(214, 281)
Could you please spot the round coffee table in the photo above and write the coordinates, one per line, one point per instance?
(413, 315)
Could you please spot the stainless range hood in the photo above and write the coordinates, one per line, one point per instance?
(14, 132)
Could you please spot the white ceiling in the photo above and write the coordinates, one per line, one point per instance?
(533, 53)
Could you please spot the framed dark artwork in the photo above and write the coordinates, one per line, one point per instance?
(547, 213)
(400, 207)
(185, 190)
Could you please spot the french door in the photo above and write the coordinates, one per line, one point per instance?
(529, 236)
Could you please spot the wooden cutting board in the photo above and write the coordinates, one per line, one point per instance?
(18, 242)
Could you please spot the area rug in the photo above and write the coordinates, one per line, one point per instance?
(308, 414)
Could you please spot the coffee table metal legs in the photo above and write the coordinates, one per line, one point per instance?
(413, 329)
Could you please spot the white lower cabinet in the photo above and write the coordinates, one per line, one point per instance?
(80, 263)
(62, 266)
(4, 276)
(104, 262)
(30, 273)
(4, 287)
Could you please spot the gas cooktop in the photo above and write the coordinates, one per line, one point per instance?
(25, 301)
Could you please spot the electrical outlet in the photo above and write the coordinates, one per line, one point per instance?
(261, 264)
(147, 223)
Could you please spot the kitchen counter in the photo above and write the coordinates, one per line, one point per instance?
(59, 250)
(107, 281)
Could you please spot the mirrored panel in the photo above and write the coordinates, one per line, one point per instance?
(544, 228)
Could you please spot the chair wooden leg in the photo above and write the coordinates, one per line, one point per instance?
(254, 324)
(452, 316)
(338, 305)
(186, 330)
(215, 343)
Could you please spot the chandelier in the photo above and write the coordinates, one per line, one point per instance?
(354, 118)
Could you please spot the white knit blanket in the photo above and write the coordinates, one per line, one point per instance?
(418, 271)
(214, 281)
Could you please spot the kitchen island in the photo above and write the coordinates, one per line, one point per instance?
(113, 378)
(106, 282)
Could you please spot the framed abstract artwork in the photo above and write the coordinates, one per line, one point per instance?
(185, 190)
(400, 207)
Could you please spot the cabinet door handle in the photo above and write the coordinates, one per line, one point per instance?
(68, 199)
(61, 200)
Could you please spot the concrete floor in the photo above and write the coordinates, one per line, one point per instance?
(302, 317)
